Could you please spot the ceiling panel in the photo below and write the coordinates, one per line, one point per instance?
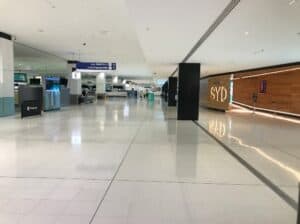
(61, 27)
(149, 38)
(168, 29)
(256, 34)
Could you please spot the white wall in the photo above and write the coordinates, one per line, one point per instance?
(74, 84)
(6, 68)
(100, 84)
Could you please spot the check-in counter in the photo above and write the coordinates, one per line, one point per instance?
(116, 94)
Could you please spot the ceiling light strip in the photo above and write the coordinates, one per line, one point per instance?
(268, 111)
(210, 30)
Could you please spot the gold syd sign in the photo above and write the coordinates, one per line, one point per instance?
(219, 92)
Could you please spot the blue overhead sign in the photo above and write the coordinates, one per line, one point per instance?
(96, 66)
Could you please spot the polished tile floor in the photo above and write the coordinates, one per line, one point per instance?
(123, 161)
(271, 145)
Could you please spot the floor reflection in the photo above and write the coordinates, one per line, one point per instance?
(217, 128)
(268, 144)
(186, 154)
(266, 156)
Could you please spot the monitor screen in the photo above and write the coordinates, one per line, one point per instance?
(52, 83)
(35, 81)
(20, 77)
(64, 82)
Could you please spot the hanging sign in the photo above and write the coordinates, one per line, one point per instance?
(96, 66)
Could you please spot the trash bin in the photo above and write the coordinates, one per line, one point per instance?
(150, 96)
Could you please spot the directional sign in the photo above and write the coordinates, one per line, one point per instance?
(96, 66)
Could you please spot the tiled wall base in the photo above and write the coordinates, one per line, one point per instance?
(7, 106)
(74, 99)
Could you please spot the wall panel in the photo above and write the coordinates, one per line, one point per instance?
(282, 89)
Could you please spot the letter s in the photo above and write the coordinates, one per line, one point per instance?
(212, 94)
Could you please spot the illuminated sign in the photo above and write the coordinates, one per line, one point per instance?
(96, 66)
(219, 93)
(263, 86)
(76, 75)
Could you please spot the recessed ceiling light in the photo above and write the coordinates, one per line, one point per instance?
(104, 32)
(292, 2)
(148, 28)
(246, 33)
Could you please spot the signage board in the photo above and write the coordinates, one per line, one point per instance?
(219, 92)
(31, 108)
(31, 100)
(76, 75)
(263, 86)
(96, 66)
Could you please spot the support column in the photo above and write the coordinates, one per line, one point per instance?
(7, 105)
(172, 91)
(165, 91)
(74, 82)
(188, 91)
(100, 85)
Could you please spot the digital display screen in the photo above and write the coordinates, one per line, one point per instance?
(64, 82)
(20, 77)
(52, 83)
(35, 81)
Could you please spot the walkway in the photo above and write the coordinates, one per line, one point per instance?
(127, 162)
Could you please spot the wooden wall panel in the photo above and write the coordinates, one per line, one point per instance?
(282, 91)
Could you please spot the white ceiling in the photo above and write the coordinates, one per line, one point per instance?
(104, 25)
(31, 60)
(169, 29)
(273, 27)
(146, 37)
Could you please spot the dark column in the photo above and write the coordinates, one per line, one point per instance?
(166, 91)
(188, 91)
(172, 91)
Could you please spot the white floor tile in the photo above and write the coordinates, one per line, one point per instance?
(133, 202)
(55, 169)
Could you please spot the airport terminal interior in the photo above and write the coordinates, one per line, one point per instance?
(159, 112)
